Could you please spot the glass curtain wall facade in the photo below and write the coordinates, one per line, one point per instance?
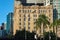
(9, 27)
(56, 5)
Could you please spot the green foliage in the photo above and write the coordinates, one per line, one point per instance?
(22, 34)
(9, 36)
(49, 35)
(56, 22)
(42, 20)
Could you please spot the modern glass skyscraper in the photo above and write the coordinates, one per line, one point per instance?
(56, 5)
(9, 27)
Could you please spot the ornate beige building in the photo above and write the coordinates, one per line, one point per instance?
(25, 16)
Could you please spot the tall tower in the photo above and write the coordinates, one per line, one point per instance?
(57, 2)
(9, 25)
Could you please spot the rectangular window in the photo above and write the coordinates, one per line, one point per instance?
(28, 19)
(28, 11)
(24, 15)
(24, 23)
(23, 11)
(20, 27)
(20, 15)
(35, 15)
(20, 11)
(24, 19)
(49, 11)
(38, 11)
(28, 28)
(25, 26)
(20, 19)
(29, 15)
(34, 23)
(35, 19)
(20, 23)
(28, 23)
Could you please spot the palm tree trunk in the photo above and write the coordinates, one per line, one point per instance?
(53, 29)
(56, 32)
(40, 33)
(42, 30)
(49, 33)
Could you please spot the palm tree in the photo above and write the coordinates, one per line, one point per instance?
(42, 22)
(55, 23)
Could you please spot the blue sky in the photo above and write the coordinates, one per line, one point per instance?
(6, 6)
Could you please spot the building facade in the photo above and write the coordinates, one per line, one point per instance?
(2, 33)
(56, 11)
(56, 7)
(9, 27)
(30, 2)
(25, 16)
(48, 2)
(3, 30)
(56, 4)
(3, 27)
